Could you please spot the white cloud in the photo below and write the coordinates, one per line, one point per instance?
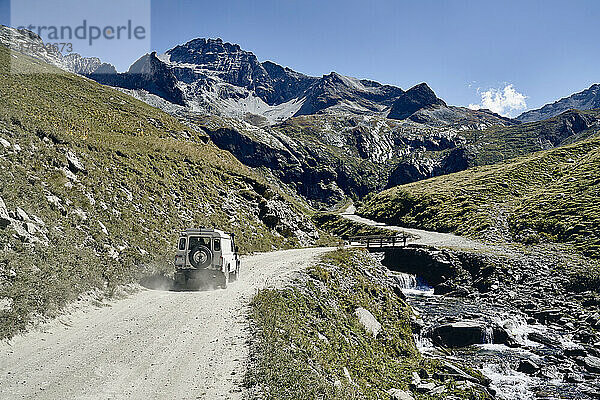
(507, 102)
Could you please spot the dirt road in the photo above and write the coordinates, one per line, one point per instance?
(151, 345)
(420, 236)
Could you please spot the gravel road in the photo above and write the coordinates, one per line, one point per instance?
(151, 345)
(420, 236)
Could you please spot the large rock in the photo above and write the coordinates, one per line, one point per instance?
(543, 339)
(528, 367)
(398, 394)
(433, 265)
(592, 364)
(4, 216)
(75, 165)
(368, 321)
(22, 215)
(461, 334)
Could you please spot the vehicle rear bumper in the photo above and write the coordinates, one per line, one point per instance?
(184, 275)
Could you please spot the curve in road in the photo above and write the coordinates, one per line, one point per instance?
(420, 236)
(151, 345)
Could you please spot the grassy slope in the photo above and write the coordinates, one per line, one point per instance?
(546, 195)
(343, 228)
(498, 143)
(308, 333)
(146, 177)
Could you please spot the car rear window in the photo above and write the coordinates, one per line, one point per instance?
(182, 243)
(217, 245)
(196, 240)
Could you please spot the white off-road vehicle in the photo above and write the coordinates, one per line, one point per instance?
(206, 256)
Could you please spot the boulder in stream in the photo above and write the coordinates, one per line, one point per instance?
(461, 334)
(528, 367)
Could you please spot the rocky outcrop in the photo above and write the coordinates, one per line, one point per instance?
(87, 66)
(449, 272)
(5, 219)
(567, 126)
(29, 229)
(434, 266)
(398, 394)
(293, 166)
(454, 160)
(286, 83)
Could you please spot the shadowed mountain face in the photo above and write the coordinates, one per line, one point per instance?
(348, 94)
(147, 73)
(415, 99)
(588, 99)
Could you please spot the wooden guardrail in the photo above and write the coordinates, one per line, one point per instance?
(380, 241)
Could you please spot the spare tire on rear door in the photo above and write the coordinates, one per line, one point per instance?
(200, 256)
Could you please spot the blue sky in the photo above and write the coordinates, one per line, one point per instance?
(462, 49)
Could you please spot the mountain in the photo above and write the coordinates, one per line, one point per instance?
(210, 76)
(588, 99)
(415, 99)
(321, 138)
(201, 59)
(147, 73)
(342, 93)
(420, 104)
(221, 78)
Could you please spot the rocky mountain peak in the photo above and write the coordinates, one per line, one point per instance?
(227, 62)
(197, 50)
(148, 73)
(416, 98)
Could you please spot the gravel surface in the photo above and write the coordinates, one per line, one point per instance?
(151, 345)
(420, 236)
